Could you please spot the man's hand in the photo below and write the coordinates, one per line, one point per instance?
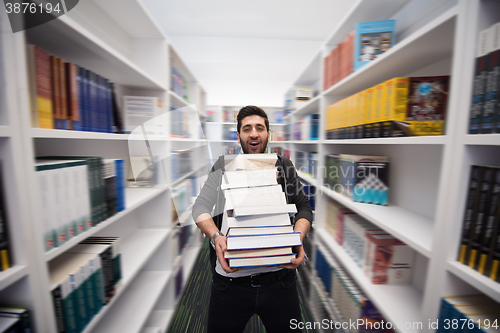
(220, 247)
(298, 260)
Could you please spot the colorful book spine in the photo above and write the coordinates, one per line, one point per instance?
(479, 85)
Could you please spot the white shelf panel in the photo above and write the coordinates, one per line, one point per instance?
(311, 73)
(71, 41)
(413, 229)
(4, 131)
(310, 107)
(397, 303)
(411, 140)
(430, 44)
(177, 100)
(304, 142)
(483, 139)
(135, 197)
(479, 281)
(12, 275)
(136, 250)
(308, 179)
(160, 319)
(136, 303)
(67, 134)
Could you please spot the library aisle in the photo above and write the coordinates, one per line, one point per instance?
(108, 133)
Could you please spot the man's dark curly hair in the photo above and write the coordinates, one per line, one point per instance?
(251, 110)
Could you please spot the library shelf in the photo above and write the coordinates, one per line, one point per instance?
(429, 44)
(325, 299)
(12, 275)
(483, 140)
(135, 197)
(308, 178)
(308, 108)
(413, 229)
(131, 312)
(39, 133)
(136, 286)
(220, 123)
(303, 142)
(73, 42)
(158, 320)
(4, 131)
(186, 176)
(174, 139)
(177, 100)
(410, 140)
(397, 303)
(479, 281)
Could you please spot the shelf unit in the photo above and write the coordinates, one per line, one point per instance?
(137, 58)
(427, 173)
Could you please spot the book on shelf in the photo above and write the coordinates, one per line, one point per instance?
(5, 247)
(302, 96)
(480, 241)
(179, 84)
(144, 111)
(20, 316)
(373, 39)
(484, 109)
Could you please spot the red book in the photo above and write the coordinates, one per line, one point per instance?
(335, 65)
(326, 61)
(40, 87)
(62, 95)
(56, 99)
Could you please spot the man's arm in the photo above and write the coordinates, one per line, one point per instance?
(206, 224)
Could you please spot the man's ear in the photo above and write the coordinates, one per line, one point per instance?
(238, 135)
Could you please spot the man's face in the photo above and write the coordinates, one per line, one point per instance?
(253, 135)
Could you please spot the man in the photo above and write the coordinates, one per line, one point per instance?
(268, 291)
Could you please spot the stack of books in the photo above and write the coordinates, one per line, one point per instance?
(255, 218)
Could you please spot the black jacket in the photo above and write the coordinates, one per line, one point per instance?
(211, 194)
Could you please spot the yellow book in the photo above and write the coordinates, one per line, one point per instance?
(369, 94)
(396, 99)
(377, 110)
(426, 127)
(360, 105)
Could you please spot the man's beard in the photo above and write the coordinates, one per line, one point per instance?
(246, 148)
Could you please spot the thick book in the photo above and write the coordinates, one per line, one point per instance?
(372, 40)
(257, 253)
(256, 199)
(238, 162)
(63, 98)
(479, 83)
(251, 178)
(115, 243)
(239, 211)
(263, 241)
(72, 98)
(261, 261)
(253, 221)
(269, 230)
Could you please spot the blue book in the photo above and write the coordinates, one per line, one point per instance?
(87, 108)
(373, 39)
(109, 106)
(99, 99)
(77, 124)
(120, 185)
(314, 126)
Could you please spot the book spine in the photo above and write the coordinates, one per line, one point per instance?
(120, 184)
(109, 107)
(63, 95)
(54, 82)
(57, 301)
(87, 98)
(43, 90)
(67, 202)
(102, 190)
(490, 224)
(477, 230)
(479, 84)
(472, 194)
(69, 307)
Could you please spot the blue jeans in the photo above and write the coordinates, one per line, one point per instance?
(233, 303)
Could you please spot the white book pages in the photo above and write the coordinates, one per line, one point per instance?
(253, 221)
(249, 161)
(256, 200)
(262, 261)
(263, 241)
(276, 209)
(242, 231)
(261, 177)
(258, 253)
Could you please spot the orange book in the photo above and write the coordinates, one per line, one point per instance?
(56, 99)
(334, 67)
(326, 72)
(73, 114)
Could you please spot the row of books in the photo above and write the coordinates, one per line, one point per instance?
(232, 150)
(179, 84)
(310, 192)
(183, 196)
(366, 43)
(302, 96)
(274, 150)
(349, 301)
(229, 133)
(480, 239)
(307, 162)
(276, 135)
(66, 96)
(77, 193)
(15, 320)
(468, 313)
(307, 128)
(5, 247)
(83, 280)
(485, 107)
(401, 106)
(363, 178)
(383, 258)
(256, 237)
(229, 116)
